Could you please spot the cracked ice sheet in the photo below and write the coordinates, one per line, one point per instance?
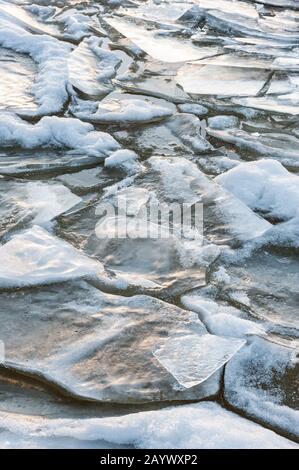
(261, 381)
(221, 80)
(36, 257)
(232, 7)
(159, 47)
(191, 359)
(194, 426)
(252, 62)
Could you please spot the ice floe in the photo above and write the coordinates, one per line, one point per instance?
(223, 81)
(209, 352)
(165, 49)
(102, 346)
(15, 92)
(274, 143)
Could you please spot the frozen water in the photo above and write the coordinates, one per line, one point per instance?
(148, 104)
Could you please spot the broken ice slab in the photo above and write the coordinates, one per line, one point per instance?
(239, 8)
(284, 104)
(91, 68)
(261, 382)
(159, 262)
(123, 108)
(226, 218)
(161, 13)
(160, 87)
(36, 257)
(100, 346)
(162, 48)
(254, 62)
(41, 162)
(279, 144)
(277, 27)
(32, 202)
(269, 275)
(192, 358)
(221, 80)
(17, 77)
(92, 179)
(179, 135)
(22, 17)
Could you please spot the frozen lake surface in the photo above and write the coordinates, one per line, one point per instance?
(113, 337)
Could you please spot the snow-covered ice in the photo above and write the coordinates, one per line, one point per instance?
(195, 426)
(53, 131)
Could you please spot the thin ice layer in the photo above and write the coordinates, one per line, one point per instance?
(277, 144)
(191, 359)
